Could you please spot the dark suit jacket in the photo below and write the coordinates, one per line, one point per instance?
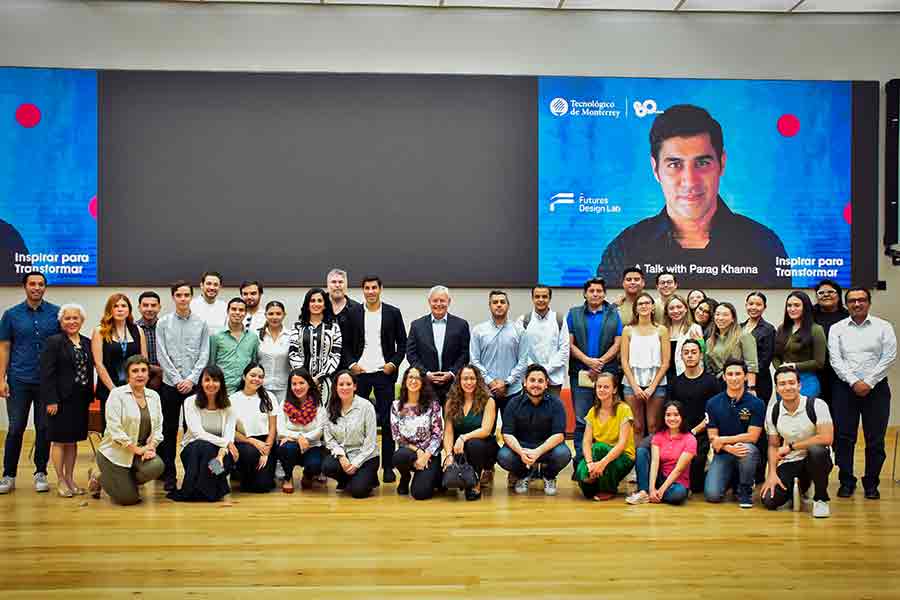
(420, 350)
(393, 334)
(58, 368)
(348, 333)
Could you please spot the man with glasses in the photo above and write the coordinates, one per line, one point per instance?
(862, 349)
(24, 330)
(666, 285)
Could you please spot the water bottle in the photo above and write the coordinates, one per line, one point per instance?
(798, 506)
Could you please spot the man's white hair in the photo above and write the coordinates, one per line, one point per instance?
(439, 289)
(340, 272)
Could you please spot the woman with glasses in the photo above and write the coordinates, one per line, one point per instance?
(828, 310)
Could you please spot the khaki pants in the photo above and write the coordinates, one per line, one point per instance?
(122, 483)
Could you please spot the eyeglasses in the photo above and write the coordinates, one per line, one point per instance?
(824, 293)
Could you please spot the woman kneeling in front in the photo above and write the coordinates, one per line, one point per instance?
(127, 454)
(664, 470)
(255, 433)
(608, 441)
(300, 423)
(350, 439)
(418, 428)
(207, 447)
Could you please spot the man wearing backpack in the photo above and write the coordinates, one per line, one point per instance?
(545, 340)
(800, 431)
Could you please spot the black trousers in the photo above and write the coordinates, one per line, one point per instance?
(698, 463)
(361, 483)
(424, 482)
(481, 453)
(815, 468)
(383, 385)
(874, 410)
(199, 484)
(255, 480)
(172, 400)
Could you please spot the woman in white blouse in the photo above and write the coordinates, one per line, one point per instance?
(207, 447)
(272, 355)
(349, 434)
(255, 431)
(300, 422)
(127, 456)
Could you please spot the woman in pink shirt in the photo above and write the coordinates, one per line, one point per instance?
(663, 470)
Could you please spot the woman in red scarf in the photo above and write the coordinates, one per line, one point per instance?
(300, 430)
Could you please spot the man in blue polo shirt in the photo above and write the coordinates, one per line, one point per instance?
(23, 330)
(595, 331)
(736, 419)
(534, 433)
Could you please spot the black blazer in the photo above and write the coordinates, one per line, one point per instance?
(393, 334)
(420, 350)
(348, 333)
(58, 368)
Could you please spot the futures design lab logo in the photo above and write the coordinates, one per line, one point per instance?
(647, 107)
(561, 198)
(559, 107)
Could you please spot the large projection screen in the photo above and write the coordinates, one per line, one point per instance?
(420, 179)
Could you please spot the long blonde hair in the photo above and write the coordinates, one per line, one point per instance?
(456, 397)
(686, 323)
(107, 324)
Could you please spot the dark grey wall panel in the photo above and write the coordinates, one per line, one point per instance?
(421, 179)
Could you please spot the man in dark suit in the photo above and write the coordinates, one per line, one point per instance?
(374, 356)
(343, 305)
(438, 343)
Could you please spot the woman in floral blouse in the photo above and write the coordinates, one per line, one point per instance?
(418, 427)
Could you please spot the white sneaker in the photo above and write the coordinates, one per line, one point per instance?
(7, 484)
(821, 510)
(632, 476)
(550, 487)
(639, 497)
(40, 482)
(522, 485)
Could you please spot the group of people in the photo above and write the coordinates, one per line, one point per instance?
(671, 389)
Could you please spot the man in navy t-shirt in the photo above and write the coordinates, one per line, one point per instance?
(736, 419)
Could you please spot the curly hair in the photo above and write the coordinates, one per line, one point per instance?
(456, 397)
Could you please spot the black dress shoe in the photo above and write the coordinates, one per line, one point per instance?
(389, 477)
(403, 486)
(845, 491)
(873, 494)
(170, 484)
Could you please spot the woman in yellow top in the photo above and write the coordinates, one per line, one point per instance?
(608, 441)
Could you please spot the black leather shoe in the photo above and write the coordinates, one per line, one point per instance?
(873, 494)
(170, 484)
(403, 486)
(845, 491)
(389, 477)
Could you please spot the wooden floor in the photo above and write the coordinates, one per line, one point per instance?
(320, 544)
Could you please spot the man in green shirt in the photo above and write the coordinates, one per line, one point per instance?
(234, 348)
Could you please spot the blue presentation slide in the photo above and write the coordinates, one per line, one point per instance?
(727, 183)
(48, 175)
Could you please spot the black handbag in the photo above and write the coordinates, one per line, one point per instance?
(460, 475)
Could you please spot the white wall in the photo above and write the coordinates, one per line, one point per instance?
(143, 35)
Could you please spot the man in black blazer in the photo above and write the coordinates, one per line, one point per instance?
(439, 365)
(374, 356)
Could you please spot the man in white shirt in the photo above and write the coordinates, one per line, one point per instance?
(862, 348)
(251, 293)
(207, 306)
(800, 432)
(375, 357)
(545, 340)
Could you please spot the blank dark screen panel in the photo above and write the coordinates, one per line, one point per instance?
(420, 179)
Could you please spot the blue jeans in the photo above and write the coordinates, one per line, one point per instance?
(674, 494)
(721, 473)
(21, 398)
(551, 463)
(582, 400)
(290, 456)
